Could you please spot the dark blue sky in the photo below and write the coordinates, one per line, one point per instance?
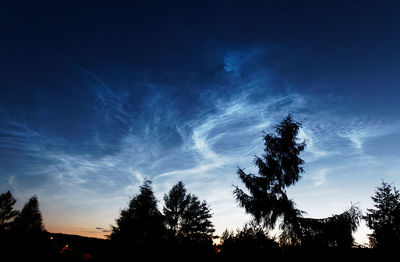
(95, 96)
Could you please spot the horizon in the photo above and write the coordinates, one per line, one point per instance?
(97, 97)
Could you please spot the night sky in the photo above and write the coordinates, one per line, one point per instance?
(96, 97)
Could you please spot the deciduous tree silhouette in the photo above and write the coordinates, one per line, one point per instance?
(175, 203)
(141, 225)
(186, 216)
(384, 220)
(188, 220)
(7, 212)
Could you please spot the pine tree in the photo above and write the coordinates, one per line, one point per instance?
(141, 224)
(384, 220)
(29, 220)
(196, 224)
(7, 212)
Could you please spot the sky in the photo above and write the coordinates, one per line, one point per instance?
(95, 97)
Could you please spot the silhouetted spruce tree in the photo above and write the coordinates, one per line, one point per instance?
(141, 225)
(196, 224)
(187, 217)
(278, 168)
(7, 212)
(29, 220)
(384, 220)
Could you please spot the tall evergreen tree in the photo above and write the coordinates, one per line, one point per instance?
(29, 220)
(196, 224)
(278, 168)
(7, 212)
(384, 220)
(141, 224)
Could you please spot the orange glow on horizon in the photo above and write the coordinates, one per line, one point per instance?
(81, 231)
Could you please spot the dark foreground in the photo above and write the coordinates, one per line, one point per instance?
(62, 247)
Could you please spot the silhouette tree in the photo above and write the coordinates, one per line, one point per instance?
(196, 224)
(7, 212)
(27, 233)
(141, 225)
(188, 223)
(384, 220)
(186, 216)
(175, 203)
(278, 168)
(29, 220)
(334, 231)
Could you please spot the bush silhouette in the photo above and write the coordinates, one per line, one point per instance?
(250, 241)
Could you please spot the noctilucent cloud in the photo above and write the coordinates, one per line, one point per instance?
(95, 98)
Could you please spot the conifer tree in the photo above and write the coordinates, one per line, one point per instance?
(30, 219)
(141, 224)
(278, 168)
(7, 212)
(384, 220)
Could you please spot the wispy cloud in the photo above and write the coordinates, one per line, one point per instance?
(319, 178)
(111, 100)
(360, 133)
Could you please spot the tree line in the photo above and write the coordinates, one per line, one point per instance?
(183, 227)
